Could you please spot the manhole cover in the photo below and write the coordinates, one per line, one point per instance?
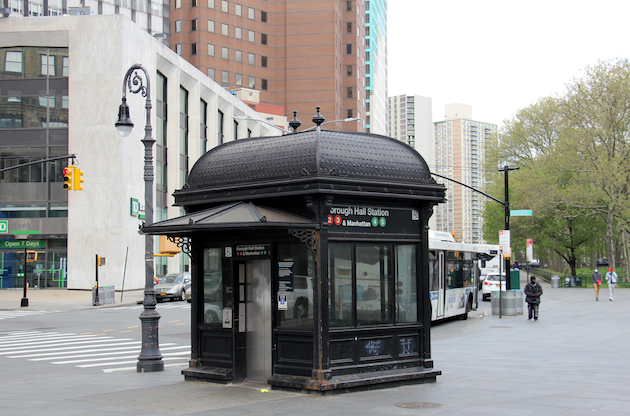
(419, 405)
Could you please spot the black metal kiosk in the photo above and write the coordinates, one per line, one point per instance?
(309, 261)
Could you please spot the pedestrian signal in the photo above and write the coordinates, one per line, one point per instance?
(77, 179)
(31, 256)
(68, 181)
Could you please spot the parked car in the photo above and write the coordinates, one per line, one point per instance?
(172, 286)
(490, 284)
(188, 294)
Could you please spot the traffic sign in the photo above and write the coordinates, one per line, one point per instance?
(520, 213)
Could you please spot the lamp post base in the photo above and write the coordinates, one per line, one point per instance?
(150, 358)
(24, 302)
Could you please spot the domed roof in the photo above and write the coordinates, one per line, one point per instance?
(328, 158)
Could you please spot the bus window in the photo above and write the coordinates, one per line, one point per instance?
(434, 271)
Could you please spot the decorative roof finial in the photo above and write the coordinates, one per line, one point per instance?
(318, 119)
(295, 123)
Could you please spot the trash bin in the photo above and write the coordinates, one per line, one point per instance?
(578, 281)
(555, 281)
(494, 301)
(515, 279)
(567, 282)
(509, 303)
(520, 300)
(573, 283)
(105, 295)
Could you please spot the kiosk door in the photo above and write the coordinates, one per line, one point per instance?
(258, 320)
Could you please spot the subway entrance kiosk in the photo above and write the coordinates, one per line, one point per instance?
(309, 256)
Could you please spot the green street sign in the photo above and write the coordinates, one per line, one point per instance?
(520, 213)
(21, 244)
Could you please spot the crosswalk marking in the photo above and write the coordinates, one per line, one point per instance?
(20, 313)
(84, 351)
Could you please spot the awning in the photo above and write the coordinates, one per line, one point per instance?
(235, 215)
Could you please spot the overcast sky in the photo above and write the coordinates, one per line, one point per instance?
(499, 56)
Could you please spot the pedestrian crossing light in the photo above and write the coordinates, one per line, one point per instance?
(77, 179)
(31, 256)
(68, 181)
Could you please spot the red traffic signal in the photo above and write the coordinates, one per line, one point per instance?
(68, 173)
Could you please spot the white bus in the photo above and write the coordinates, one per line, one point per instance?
(454, 275)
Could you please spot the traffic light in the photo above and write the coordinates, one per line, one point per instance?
(78, 179)
(68, 181)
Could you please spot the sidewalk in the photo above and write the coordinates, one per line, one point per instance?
(61, 299)
(573, 361)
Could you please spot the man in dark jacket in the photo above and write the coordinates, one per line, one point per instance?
(532, 292)
(597, 281)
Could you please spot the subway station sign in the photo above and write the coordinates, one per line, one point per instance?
(364, 219)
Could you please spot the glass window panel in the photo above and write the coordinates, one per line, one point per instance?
(210, 49)
(251, 13)
(434, 272)
(372, 272)
(13, 62)
(178, 26)
(340, 284)
(23, 112)
(251, 36)
(211, 26)
(406, 284)
(19, 87)
(238, 33)
(238, 56)
(251, 59)
(224, 6)
(224, 29)
(212, 286)
(225, 77)
(251, 83)
(299, 313)
(225, 53)
(238, 10)
(238, 79)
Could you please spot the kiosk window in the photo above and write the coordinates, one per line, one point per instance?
(373, 270)
(212, 286)
(406, 284)
(295, 277)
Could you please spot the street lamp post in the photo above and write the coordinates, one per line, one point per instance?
(150, 358)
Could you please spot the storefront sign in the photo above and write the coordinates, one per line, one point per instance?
(253, 250)
(21, 244)
(136, 209)
(4, 227)
(362, 219)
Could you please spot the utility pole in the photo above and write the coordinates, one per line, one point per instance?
(506, 207)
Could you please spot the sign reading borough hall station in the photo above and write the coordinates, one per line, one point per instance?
(362, 219)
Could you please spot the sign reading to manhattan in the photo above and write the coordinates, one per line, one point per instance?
(362, 219)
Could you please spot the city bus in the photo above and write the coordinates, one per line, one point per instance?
(454, 275)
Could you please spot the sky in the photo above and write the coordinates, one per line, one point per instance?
(499, 56)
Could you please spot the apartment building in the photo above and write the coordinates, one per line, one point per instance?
(298, 54)
(460, 144)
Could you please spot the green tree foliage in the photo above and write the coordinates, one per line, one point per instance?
(572, 151)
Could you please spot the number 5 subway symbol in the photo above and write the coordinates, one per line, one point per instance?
(376, 221)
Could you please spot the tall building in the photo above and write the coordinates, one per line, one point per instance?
(60, 90)
(298, 54)
(151, 15)
(460, 144)
(376, 66)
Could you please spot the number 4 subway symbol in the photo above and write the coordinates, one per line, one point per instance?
(376, 221)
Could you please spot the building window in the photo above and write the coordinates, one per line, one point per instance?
(224, 6)
(193, 25)
(203, 126)
(349, 114)
(263, 38)
(193, 3)
(224, 29)
(251, 59)
(211, 26)
(238, 79)
(210, 49)
(178, 4)
(178, 49)
(251, 83)
(193, 49)
(263, 17)
(225, 53)
(238, 10)
(263, 61)
(225, 77)
(251, 13)
(349, 49)
(251, 36)
(211, 74)
(238, 56)
(48, 65)
(349, 27)
(220, 120)
(263, 84)
(210, 4)
(349, 92)
(349, 70)
(349, 5)
(65, 66)
(238, 33)
(178, 26)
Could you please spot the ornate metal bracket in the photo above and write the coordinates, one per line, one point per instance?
(183, 243)
(308, 237)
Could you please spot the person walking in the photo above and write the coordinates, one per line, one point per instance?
(597, 281)
(533, 291)
(611, 279)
